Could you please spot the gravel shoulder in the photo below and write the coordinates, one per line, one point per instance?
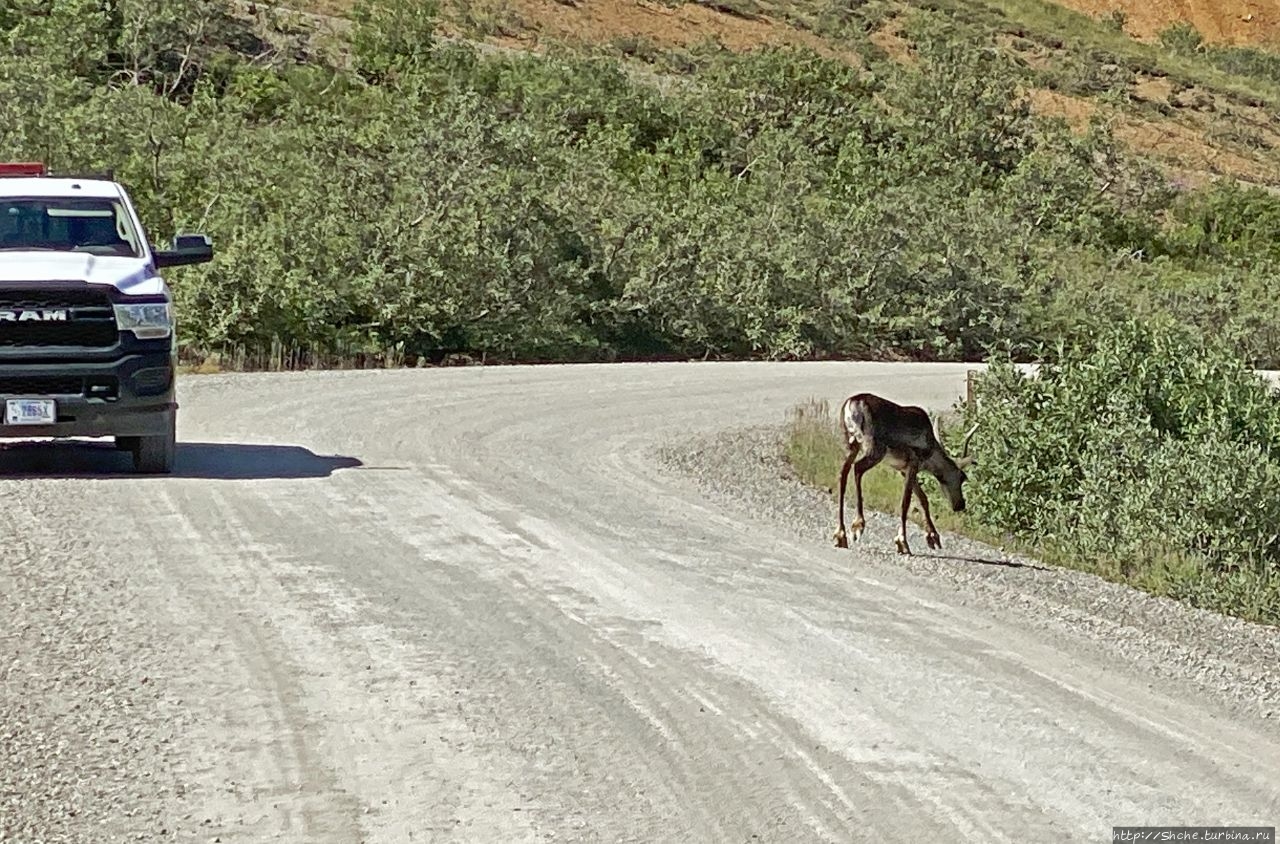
(88, 712)
(1233, 663)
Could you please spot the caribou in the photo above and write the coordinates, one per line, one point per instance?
(877, 429)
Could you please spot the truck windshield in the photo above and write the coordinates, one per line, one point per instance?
(95, 226)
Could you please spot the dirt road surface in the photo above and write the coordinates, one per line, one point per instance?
(468, 605)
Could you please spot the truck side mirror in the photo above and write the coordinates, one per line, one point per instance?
(186, 249)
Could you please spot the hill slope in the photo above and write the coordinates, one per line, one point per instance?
(1199, 111)
(1255, 22)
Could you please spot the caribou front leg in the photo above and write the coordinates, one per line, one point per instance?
(931, 535)
(909, 477)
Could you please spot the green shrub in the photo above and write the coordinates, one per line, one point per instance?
(1181, 38)
(1225, 219)
(1152, 443)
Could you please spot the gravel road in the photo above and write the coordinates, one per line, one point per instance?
(574, 604)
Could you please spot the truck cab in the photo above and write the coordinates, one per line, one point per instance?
(87, 330)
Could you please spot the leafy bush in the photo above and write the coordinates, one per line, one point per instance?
(1225, 220)
(1181, 38)
(1150, 446)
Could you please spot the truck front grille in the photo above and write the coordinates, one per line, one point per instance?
(97, 386)
(79, 315)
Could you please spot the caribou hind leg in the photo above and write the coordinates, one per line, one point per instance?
(908, 486)
(858, 525)
(842, 539)
(868, 461)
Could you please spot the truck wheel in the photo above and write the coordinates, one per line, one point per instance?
(154, 455)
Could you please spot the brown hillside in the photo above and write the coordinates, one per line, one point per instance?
(679, 26)
(1244, 22)
(1194, 132)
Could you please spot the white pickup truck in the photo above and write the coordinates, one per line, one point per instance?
(87, 345)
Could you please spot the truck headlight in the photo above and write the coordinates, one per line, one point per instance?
(147, 322)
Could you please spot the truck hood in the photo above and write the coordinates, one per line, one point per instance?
(132, 276)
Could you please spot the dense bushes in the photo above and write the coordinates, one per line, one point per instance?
(1154, 454)
(426, 199)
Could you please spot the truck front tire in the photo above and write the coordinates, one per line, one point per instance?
(154, 455)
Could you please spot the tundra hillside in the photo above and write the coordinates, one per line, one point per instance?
(382, 194)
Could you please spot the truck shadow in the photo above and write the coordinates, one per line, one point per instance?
(217, 461)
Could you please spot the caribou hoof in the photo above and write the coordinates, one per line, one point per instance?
(934, 541)
(858, 528)
(842, 540)
(901, 542)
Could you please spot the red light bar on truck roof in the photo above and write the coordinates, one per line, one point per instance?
(21, 168)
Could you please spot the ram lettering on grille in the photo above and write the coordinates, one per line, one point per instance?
(59, 315)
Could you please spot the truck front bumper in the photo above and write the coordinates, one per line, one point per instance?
(133, 396)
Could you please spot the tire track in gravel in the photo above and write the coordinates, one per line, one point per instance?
(624, 672)
(558, 559)
(87, 721)
(352, 715)
(240, 595)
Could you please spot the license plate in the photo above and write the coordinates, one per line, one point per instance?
(30, 412)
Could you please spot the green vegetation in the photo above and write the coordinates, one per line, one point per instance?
(1150, 457)
(1155, 454)
(406, 199)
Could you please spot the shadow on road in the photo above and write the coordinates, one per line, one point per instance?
(220, 461)
(1009, 564)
